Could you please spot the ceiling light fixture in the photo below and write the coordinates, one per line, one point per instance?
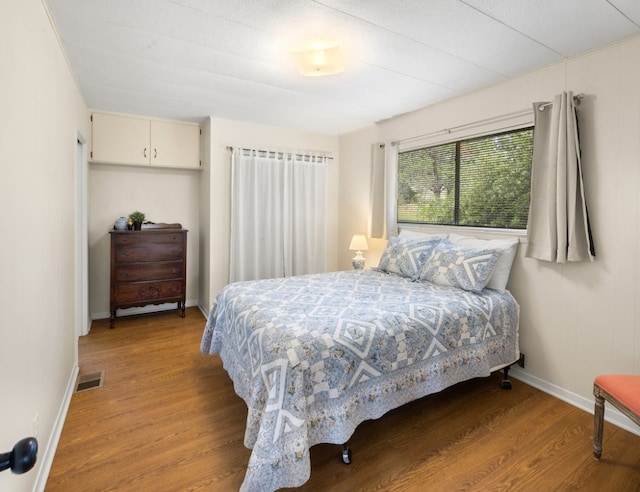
(320, 60)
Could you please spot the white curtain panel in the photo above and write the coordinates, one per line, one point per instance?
(558, 227)
(278, 219)
(307, 216)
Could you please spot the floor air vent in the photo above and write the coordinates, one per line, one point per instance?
(90, 381)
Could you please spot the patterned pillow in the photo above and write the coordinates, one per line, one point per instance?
(507, 249)
(406, 257)
(456, 266)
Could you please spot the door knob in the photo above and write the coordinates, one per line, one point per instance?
(22, 457)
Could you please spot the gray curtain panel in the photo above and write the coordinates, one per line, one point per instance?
(377, 205)
(558, 229)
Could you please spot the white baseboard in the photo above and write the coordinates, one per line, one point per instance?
(151, 308)
(54, 438)
(611, 414)
(203, 310)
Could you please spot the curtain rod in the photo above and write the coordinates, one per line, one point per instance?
(576, 99)
(304, 153)
(446, 131)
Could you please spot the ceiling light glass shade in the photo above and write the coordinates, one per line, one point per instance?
(316, 62)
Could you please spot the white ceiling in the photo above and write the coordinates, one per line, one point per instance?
(232, 59)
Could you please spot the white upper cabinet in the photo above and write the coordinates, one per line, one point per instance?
(175, 144)
(117, 139)
(123, 139)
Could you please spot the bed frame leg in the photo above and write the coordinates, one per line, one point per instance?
(506, 383)
(346, 454)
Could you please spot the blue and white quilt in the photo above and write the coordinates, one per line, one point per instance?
(313, 356)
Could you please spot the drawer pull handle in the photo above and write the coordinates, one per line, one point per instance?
(149, 291)
(145, 152)
(155, 153)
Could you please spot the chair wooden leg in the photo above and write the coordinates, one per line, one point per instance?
(598, 422)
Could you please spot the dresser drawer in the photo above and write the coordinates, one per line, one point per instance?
(161, 270)
(148, 252)
(148, 237)
(148, 291)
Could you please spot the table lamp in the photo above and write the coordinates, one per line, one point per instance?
(358, 244)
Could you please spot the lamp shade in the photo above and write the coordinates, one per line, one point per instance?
(359, 243)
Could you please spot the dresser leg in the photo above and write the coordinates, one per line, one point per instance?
(182, 306)
(112, 320)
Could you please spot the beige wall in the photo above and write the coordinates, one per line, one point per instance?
(577, 320)
(236, 134)
(42, 114)
(356, 153)
(164, 195)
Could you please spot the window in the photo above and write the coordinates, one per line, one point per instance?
(481, 182)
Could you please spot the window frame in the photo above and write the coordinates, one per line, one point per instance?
(492, 126)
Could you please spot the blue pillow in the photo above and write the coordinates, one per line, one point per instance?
(456, 266)
(406, 257)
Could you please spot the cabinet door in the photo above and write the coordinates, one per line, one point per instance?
(175, 144)
(119, 139)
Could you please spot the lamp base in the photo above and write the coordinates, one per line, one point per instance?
(358, 261)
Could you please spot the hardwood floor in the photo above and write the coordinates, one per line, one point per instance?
(167, 419)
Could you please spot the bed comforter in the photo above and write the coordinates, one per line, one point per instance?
(313, 356)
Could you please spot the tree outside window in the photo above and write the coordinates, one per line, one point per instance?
(480, 182)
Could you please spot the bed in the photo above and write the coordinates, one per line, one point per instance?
(313, 356)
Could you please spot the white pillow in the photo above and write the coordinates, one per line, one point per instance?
(502, 268)
(409, 234)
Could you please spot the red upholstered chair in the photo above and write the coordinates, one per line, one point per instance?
(623, 392)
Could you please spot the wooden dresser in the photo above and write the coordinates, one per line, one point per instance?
(148, 267)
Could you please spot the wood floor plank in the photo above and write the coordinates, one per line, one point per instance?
(167, 419)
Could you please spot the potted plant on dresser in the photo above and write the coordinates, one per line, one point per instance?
(137, 218)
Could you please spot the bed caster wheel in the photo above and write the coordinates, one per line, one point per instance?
(346, 455)
(506, 384)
